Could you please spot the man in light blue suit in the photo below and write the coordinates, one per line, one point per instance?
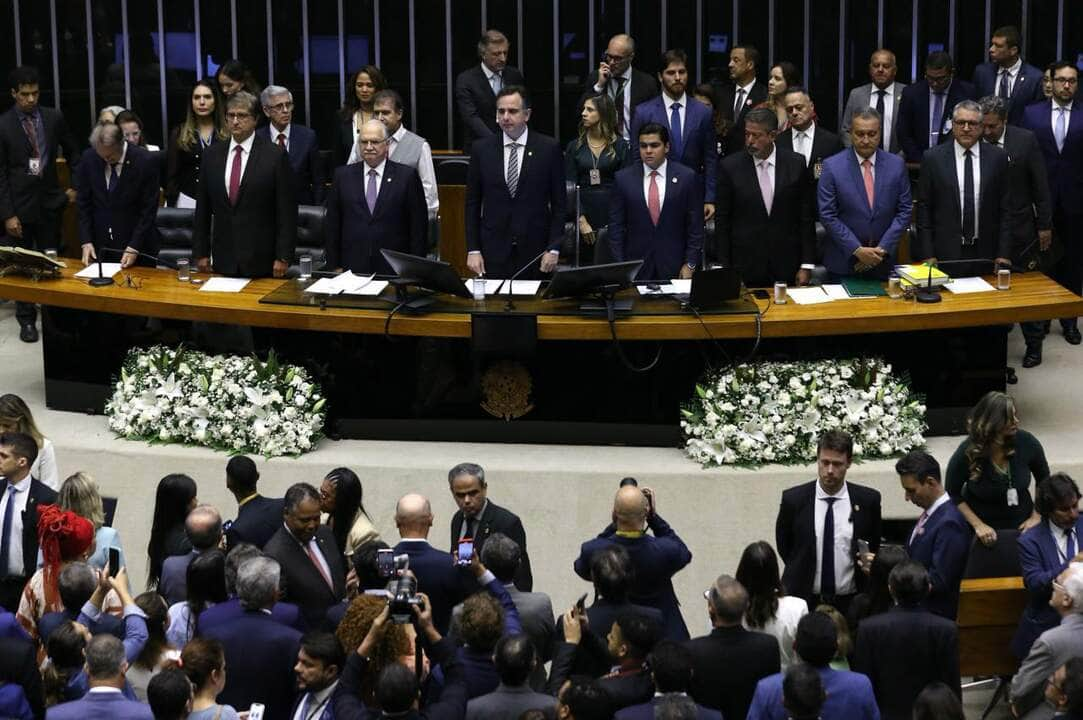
(105, 667)
(1007, 76)
(863, 227)
(1045, 551)
(692, 140)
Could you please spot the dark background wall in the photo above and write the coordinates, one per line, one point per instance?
(145, 54)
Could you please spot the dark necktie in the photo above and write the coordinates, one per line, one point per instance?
(282, 140)
(113, 177)
(1003, 90)
(884, 130)
(937, 119)
(5, 539)
(827, 564)
(618, 101)
(32, 136)
(235, 176)
(968, 197)
(739, 102)
(675, 130)
(470, 527)
(1070, 546)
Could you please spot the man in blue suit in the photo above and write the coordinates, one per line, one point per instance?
(1045, 551)
(656, 558)
(941, 539)
(515, 195)
(299, 142)
(655, 211)
(671, 671)
(1058, 125)
(1006, 75)
(925, 112)
(692, 140)
(864, 202)
(117, 199)
(258, 517)
(373, 205)
(105, 668)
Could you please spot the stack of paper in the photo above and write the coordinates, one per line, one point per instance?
(961, 286)
(224, 284)
(91, 271)
(676, 286)
(345, 282)
(493, 286)
(808, 295)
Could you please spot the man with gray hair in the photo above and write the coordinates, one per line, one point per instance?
(225, 612)
(478, 518)
(203, 527)
(117, 199)
(105, 668)
(1053, 648)
(247, 188)
(76, 584)
(476, 89)
(964, 211)
(260, 651)
(299, 142)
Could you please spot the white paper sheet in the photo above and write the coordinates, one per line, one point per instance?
(838, 292)
(676, 286)
(224, 284)
(962, 286)
(372, 288)
(185, 201)
(525, 288)
(91, 271)
(808, 295)
(345, 282)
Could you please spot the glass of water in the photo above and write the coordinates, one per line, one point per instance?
(305, 262)
(183, 272)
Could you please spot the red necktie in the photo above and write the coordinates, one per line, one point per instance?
(282, 140)
(870, 192)
(235, 176)
(654, 204)
(316, 561)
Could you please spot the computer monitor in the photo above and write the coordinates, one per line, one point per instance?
(713, 287)
(592, 280)
(424, 273)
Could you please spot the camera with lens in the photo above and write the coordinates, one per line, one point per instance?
(401, 596)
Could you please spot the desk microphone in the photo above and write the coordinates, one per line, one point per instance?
(101, 280)
(926, 294)
(511, 305)
(155, 258)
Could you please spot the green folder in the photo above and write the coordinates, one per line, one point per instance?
(857, 287)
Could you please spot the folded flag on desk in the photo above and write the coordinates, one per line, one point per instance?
(919, 274)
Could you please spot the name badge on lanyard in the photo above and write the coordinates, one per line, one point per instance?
(1013, 497)
(33, 166)
(595, 176)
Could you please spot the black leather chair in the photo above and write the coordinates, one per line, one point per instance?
(451, 170)
(175, 228)
(310, 234)
(1001, 559)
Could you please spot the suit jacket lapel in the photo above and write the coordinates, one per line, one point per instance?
(857, 175)
(750, 163)
(385, 187)
(879, 181)
(254, 156)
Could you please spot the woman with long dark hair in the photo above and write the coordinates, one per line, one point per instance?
(783, 75)
(175, 497)
(157, 653)
(357, 110)
(770, 609)
(341, 498)
(938, 702)
(877, 598)
(204, 123)
(233, 76)
(206, 586)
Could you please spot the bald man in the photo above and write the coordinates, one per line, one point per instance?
(203, 528)
(625, 85)
(437, 575)
(656, 557)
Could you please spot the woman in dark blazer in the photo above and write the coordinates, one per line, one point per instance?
(203, 124)
(357, 110)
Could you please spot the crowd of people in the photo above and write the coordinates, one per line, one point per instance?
(300, 607)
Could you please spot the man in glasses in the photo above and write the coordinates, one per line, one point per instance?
(298, 141)
(625, 85)
(925, 112)
(246, 186)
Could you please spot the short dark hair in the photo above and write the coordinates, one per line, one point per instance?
(386, 95)
(762, 116)
(1011, 35)
(297, 494)
(23, 75)
(909, 583)
(653, 128)
(396, 688)
(803, 692)
(1060, 65)
(514, 659)
(837, 440)
(920, 464)
(168, 693)
(502, 556)
(939, 60)
(587, 699)
(519, 90)
(466, 468)
(22, 445)
(938, 702)
(241, 469)
(673, 55)
(325, 647)
(365, 565)
(817, 639)
(1054, 491)
(640, 632)
(130, 116)
(751, 54)
(671, 665)
(612, 572)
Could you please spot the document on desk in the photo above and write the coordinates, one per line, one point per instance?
(962, 286)
(371, 288)
(224, 285)
(525, 288)
(838, 292)
(345, 282)
(676, 286)
(808, 295)
(91, 271)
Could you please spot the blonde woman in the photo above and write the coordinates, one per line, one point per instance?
(79, 493)
(15, 416)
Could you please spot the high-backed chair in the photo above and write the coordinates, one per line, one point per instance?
(175, 228)
(310, 233)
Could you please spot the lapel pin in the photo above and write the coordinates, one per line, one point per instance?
(857, 508)
(529, 153)
(673, 180)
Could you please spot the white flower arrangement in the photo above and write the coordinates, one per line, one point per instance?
(774, 412)
(232, 403)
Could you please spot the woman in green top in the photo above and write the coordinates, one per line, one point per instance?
(989, 475)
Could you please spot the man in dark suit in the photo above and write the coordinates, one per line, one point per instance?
(467, 484)
(671, 671)
(374, 205)
(203, 527)
(19, 666)
(312, 573)
(925, 112)
(228, 610)
(75, 585)
(1006, 75)
(1058, 126)
(260, 652)
(300, 143)
(476, 89)
(22, 494)
(727, 663)
(656, 211)
(258, 517)
(1028, 190)
(965, 212)
(320, 659)
(1045, 551)
(31, 200)
(656, 558)
(740, 95)
(766, 206)
(820, 525)
(906, 648)
(105, 668)
(516, 660)
(692, 141)
(515, 199)
(941, 538)
(864, 203)
(246, 187)
(625, 85)
(118, 200)
(883, 95)
(445, 583)
(805, 136)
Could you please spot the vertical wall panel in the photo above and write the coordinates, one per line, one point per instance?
(825, 45)
(538, 62)
(576, 62)
(252, 41)
(323, 64)
(717, 40)
(861, 34)
(897, 37)
(430, 41)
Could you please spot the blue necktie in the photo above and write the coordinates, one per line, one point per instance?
(1061, 131)
(1071, 546)
(827, 563)
(675, 131)
(5, 540)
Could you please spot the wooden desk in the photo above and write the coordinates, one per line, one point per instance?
(989, 612)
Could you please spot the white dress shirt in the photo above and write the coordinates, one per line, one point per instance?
(661, 180)
(120, 165)
(744, 98)
(1060, 537)
(521, 142)
(1013, 75)
(15, 543)
(274, 133)
(627, 75)
(804, 142)
(424, 168)
(861, 167)
(668, 102)
(313, 704)
(246, 151)
(379, 176)
(844, 535)
(944, 499)
(1054, 114)
(960, 163)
